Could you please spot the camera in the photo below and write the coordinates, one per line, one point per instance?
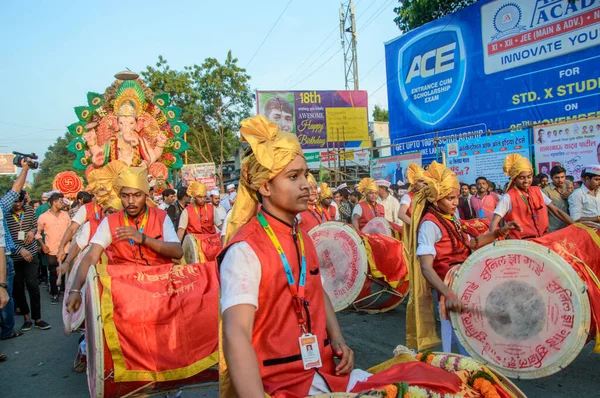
(19, 157)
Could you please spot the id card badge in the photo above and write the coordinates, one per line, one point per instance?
(309, 349)
(21, 235)
(481, 213)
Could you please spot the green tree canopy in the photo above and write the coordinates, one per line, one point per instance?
(414, 13)
(380, 114)
(6, 183)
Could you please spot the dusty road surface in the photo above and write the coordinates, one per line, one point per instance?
(40, 362)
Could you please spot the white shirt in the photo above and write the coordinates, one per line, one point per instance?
(582, 203)
(221, 211)
(83, 235)
(337, 211)
(103, 236)
(429, 234)
(406, 200)
(505, 205)
(163, 206)
(357, 210)
(240, 276)
(80, 216)
(392, 209)
(225, 223)
(184, 218)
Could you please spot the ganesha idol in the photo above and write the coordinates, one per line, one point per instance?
(131, 124)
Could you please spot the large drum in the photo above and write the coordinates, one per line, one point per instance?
(200, 248)
(380, 225)
(190, 250)
(527, 312)
(73, 321)
(162, 353)
(366, 272)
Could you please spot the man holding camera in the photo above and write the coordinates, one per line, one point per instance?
(21, 249)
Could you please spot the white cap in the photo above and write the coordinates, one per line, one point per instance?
(592, 169)
(45, 195)
(342, 186)
(383, 183)
(230, 186)
(214, 192)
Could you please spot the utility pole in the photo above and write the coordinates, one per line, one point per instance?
(348, 37)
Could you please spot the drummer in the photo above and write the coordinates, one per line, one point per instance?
(201, 219)
(414, 175)
(367, 209)
(326, 200)
(314, 214)
(152, 241)
(390, 204)
(441, 244)
(524, 203)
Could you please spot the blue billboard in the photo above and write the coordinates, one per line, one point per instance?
(496, 64)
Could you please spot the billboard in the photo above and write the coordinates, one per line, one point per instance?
(322, 120)
(6, 164)
(571, 145)
(204, 173)
(393, 168)
(484, 156)
(496, 64)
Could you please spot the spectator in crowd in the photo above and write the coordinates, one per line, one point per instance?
(344, 207)
(44, 207)
(484, 201)
(53, 223)
(390, 204)
(355, 197)
(22, 225)
(229, 198)
(174, 211)
(473, 189)
(541, 180)
(169, 198)
(584, 203)
(83, 197)
(569, 187)
(7, 311)
(215, 199)
(559, 195)
(35, 204)
(491, 186)
(464, 203)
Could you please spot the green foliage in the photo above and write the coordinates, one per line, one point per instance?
(6, 183)
(57, 159)
(414, 13)
(380, 114)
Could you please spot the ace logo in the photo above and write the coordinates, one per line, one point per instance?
(431, 70)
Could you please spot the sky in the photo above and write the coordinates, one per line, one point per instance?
(57, 51)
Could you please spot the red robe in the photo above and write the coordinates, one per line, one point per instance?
(312, 217)
(330, 212)
(276, 331)
(369, 212)
(121, 252)
(90, 212)
(201, 223)
(530, 211)
(411, 194)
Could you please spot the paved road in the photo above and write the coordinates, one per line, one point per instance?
(40, 362)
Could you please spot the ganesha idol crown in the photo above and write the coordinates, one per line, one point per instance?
(127, 110)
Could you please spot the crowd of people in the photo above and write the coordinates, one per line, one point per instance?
(252, 229)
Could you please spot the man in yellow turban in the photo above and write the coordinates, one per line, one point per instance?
(326, 201)
(269, 271)
(524, 203)
(436, 242)
(414, 175)
(202, 220)
(139, 234)
(315, 214)
(367, 209)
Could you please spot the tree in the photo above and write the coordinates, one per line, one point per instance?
(214, 98)
(380, 114)
(226, 99)
(57, 159)
(6, 183)
(414, 13)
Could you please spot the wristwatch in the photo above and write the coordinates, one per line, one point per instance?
(4, 285)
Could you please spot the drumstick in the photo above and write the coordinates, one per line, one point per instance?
(67, 327)
(502, 318)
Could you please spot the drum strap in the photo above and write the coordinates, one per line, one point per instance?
(297, 291)
(144, 222)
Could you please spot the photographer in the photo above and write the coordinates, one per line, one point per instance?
(6, 205)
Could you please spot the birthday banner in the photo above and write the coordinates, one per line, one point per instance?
(571, 145)
(484, 156)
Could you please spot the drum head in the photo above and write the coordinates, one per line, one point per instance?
(528, 316)
(343, 261)
(378, 225)
(94, 336)
(190, 249)
(73, 321)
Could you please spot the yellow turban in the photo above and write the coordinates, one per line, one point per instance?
(326, 192)
(311, 179)
(366, 185)
(515, 164)
(196, 189)
(133, 177)
(101, 181)
(272, 151)
(112, 201)
(420, 322)
(414, 173)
